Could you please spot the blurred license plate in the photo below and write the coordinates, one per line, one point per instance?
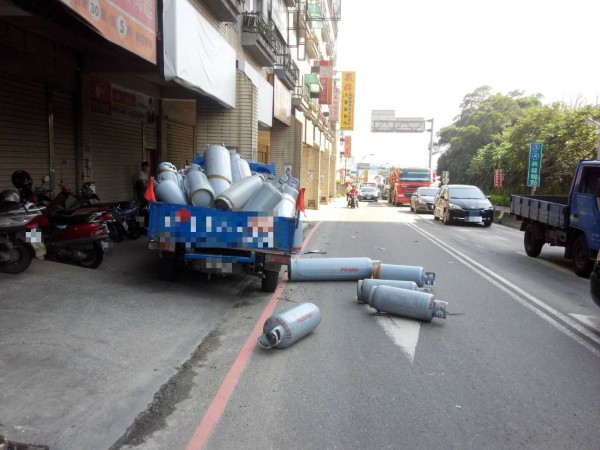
(474, 219)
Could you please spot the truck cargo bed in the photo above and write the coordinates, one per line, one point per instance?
(202, 228)
(548, 209)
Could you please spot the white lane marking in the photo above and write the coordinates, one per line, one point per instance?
(591, 321)
(504, 285)
(403, 332)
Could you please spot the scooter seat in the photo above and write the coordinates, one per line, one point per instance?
(72, 218)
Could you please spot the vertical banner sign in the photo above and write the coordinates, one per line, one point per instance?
(348, 147)
(334, 109)
(535, 164)
(347, 113)
(130, 24)
(326, 80)
(498, 177)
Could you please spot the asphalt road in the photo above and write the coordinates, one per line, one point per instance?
(514, 366)
(506, 370)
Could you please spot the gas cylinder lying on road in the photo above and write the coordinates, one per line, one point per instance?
(363, 287)
(400, 272)
(330, 269)
(283, 329)
(344, 269)
(407, 303)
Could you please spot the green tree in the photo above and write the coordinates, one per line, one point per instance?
(481, 122)
(566, 137)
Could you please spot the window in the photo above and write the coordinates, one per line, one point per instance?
(589, 180)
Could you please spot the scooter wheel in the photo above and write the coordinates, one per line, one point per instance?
(22, 261)
(114, 233)
(134, 233)
(94, 257)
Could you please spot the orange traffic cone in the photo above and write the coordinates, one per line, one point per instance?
(149, 194)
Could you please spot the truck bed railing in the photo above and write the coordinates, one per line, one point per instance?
(548, 209)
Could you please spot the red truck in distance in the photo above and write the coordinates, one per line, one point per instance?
(403, 182)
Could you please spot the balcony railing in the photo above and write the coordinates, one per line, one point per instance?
(258, 38)
(312, 45)
(301, 98)
(287, 70)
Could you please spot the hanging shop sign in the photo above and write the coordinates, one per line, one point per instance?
(114, 100)
(326, 80)
(129, 24)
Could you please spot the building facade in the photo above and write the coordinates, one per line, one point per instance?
(91, 88)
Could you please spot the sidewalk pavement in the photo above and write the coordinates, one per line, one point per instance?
(503, 216)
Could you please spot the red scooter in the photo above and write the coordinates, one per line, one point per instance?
(79, 236)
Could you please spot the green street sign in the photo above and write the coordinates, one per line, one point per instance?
(535, 164)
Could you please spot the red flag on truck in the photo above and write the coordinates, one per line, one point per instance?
(149, 194)
(300, 201)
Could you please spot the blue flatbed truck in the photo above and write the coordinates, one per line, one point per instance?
(571, 221)
(220, 242)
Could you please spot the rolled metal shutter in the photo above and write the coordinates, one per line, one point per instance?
(180, 144)
(116, 156)
(64, 161)
(23, 130)
(116, 148)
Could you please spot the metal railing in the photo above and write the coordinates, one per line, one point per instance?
(255, 22)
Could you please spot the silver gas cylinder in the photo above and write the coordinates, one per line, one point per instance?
(217, 166)
(363, 287)
(330, 269)
(284, 328)
(286, 206)
(239, 166)
(234, 198)
(169, 191)
(407, 303)
(401, 272)
(198, 188)
(264, 199)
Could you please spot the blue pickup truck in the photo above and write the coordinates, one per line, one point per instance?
(212, 241)
(571, 221)
(220, 242)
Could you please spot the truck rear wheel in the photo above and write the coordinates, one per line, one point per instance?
(270, 280)
(533, 246)
(167, 270)
(580, 253)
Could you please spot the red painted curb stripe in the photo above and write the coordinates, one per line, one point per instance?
(217, 406)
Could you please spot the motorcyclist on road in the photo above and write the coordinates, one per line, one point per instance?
(351, 194)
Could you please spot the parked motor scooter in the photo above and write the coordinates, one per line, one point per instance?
(66, 202)
(127, 220)
(77, 235)
(17, 247)
(80, 237)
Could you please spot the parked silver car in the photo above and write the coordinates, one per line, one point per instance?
(422, 199)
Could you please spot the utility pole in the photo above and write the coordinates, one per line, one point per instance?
(430, 140)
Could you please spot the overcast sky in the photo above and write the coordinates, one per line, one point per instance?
(421, 57)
